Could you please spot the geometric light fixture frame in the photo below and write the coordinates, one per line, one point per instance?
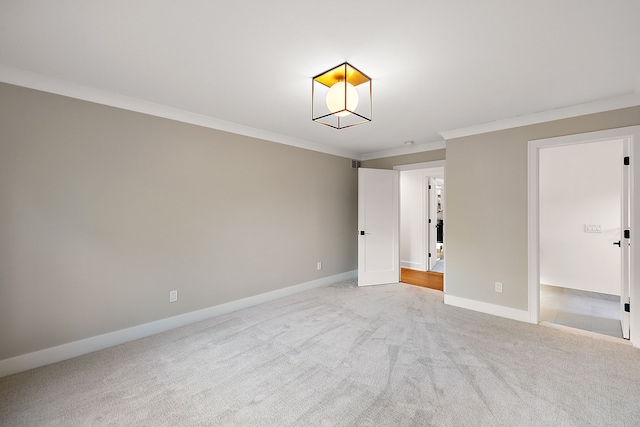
(353, 105)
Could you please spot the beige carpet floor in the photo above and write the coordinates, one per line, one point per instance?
(390, 355)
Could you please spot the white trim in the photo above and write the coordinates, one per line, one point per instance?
(412, 265)
(634, 189)
(77, 348)
(411, 149)
(31, 80)
(615, 103)
(534, 147)
(533, 232)
(426, 225)
(485, 307)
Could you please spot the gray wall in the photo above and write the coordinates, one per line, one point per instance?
(486, 212)
(104, 211)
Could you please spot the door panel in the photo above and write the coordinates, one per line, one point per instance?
(378, 226)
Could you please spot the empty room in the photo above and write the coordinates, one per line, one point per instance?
(209, 213)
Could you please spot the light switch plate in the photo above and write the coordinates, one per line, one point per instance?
(593, 228)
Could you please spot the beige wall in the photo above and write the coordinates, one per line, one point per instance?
(486, 204)
(406, 159)
(104, 211)
(486, 212)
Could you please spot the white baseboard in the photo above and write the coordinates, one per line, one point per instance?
(77, 348)
(412, 265)
(485, 307)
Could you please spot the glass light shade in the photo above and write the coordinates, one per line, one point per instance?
(336, 101)
(341, 97)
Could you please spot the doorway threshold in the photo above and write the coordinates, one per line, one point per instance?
(591, 334)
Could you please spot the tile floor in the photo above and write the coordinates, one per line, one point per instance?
(438, 266)
(584, 310)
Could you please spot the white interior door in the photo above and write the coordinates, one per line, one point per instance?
(378, 226)
(625, 242)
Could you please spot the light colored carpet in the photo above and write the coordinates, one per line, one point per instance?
(389, 355)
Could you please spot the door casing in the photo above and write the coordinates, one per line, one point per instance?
(632, 135)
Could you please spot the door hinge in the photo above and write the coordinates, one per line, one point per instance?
(429, 220)
(429, 186)
(626, 161)
(627, 307)
(429, 254)
(627, 234)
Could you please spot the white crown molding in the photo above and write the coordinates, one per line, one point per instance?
(77, 348)
(44, 83)
(608, 104)
(411, 149)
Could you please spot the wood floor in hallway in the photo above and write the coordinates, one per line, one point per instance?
(426, 279)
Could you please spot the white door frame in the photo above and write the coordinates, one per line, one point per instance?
(432, 215)
(633, 134)
(625, 259)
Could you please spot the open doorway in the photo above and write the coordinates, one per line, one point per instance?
(629, 258)
(580, 199)
(422, 246)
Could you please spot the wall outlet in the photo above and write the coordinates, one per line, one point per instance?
(319, 265)
(593, 228)
(499, 287)
(173, 296)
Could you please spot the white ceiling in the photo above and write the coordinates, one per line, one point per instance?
(246, 66)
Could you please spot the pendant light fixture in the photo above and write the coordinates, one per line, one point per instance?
(341, 97)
